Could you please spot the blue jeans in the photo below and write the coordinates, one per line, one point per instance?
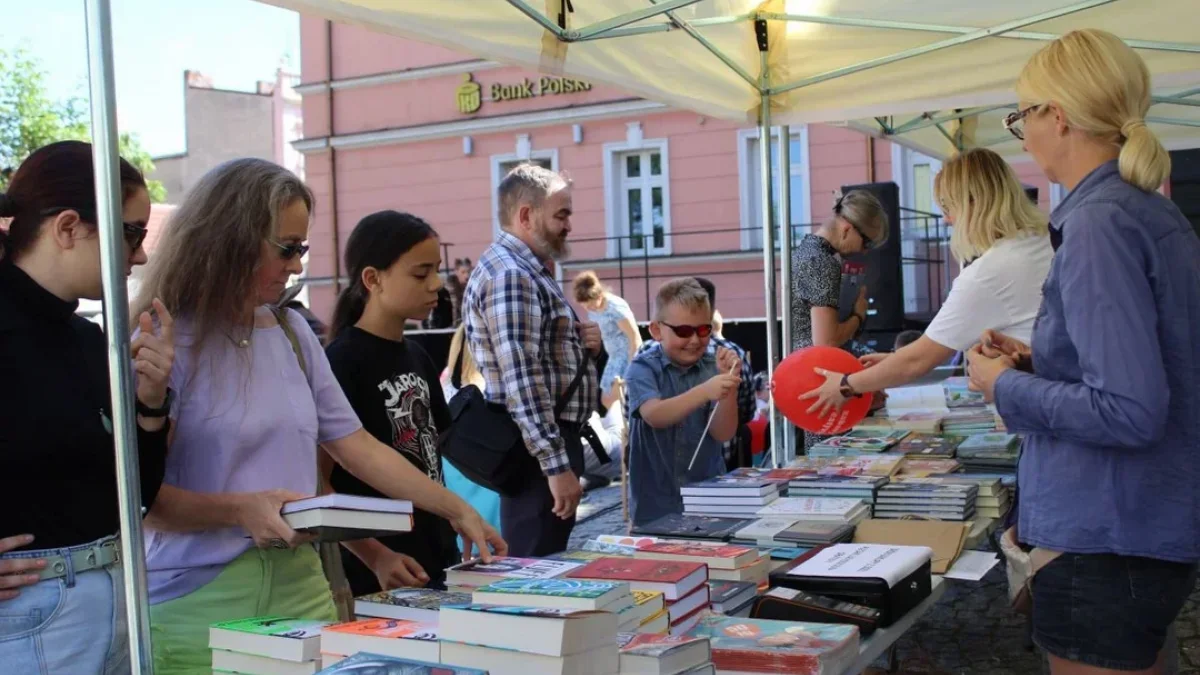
(73, 625)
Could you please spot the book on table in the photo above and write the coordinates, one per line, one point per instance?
(610, 596)
(741, 645)
(643, 654)
(275, 637)
(674, 579)
(338, 517)
(224, 661)
(727, 596)
(530, 640)
(391, 637)
(475, 573)
(692, 527)
(716, 557)
(829, 509)
(365, 663)
(413, 604)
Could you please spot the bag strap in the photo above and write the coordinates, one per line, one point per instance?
(566, 397)
(330, 552)
(456, 371)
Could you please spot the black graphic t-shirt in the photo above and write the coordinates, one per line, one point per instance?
(393, 386)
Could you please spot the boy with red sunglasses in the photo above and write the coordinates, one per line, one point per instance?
(672, 388)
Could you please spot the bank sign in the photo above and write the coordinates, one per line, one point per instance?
(470, 95)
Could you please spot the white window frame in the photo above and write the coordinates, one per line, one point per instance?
(903, 161)
(497, 176)
(614, 193)
(1057, 194)
(750, 195)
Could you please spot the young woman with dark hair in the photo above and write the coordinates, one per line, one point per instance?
(392, 384)
(62, 602)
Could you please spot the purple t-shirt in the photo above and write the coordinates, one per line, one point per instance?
(245, 420)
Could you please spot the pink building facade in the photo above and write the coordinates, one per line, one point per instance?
(658, 192)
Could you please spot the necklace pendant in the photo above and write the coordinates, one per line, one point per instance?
(243, 343)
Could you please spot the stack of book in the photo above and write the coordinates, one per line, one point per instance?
(728, 496)
(650, 611)
(466, 577)
(857, 442)
(929, 445)
(378, 664)
(990, 451)
(959, 394)
(506, 640)
(725, 563)
(603, 596)
(968, 421)
(935, 500)
(819, 509)
(732, 598)
(763, 646)
(337, 517)
(664, 655)
(684, 585)
(862, 487)
(413, 604)
(270, 645)
(390, 637)
(920, 422)
(791, 532)
(993, 500)
(918, 467)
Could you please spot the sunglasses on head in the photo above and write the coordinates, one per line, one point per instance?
(289, 251)
(685, 332)
(837, 210)
(134, 233)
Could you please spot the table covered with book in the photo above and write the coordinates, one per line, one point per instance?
(817, 567)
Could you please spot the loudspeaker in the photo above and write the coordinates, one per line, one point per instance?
(1031, 192)
(884, 277)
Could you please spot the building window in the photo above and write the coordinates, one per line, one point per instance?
(502, 164)
(638, 196)
(800, 217)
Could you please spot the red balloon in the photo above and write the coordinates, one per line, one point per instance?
(795, 376)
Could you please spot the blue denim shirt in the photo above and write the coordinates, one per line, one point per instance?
(658, 458)
(1111, 419)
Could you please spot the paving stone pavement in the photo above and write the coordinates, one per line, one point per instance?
(970, 632)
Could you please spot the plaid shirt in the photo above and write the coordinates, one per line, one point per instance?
(745, 397)
(522, 334)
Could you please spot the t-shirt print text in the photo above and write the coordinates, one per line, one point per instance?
(406, 398)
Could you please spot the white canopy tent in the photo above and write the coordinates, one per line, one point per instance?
(933, 74)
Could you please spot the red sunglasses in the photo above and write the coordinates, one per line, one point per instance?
(685, 332)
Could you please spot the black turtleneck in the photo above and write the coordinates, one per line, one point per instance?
(59, 460)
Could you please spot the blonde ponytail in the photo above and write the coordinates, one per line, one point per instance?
(1144, 161)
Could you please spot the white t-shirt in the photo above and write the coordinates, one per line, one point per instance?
(1001, 291)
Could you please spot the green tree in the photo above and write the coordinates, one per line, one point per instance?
(29, 119)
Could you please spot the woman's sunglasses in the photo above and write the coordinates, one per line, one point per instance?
(134, 234)
(685, 332)
(289, 251)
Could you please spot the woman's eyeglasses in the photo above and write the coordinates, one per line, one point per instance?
(686, 332)
(1015, 121)
(289, 251)
(134, 233)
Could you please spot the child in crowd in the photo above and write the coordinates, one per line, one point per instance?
(672, 388)
(905, 338)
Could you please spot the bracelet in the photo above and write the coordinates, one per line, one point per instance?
(846, 390)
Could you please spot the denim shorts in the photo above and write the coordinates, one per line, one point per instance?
(1108, 611)
(71, 625)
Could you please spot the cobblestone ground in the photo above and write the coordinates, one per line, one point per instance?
(970, 632)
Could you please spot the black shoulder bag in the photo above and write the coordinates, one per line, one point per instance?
(483, 441)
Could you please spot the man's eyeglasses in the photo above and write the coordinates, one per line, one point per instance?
(134, 233)
(289, 251)
(1015, 121)
(685, 332)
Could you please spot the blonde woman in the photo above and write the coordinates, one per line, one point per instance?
(1111, 409)
(254, 400)
(1003, 235)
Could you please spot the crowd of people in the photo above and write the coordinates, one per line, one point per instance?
(1079, 328)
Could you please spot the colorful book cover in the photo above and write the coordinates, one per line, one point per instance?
(275, 626)
(603, 547)
(417, 598)
(540, 612)
(928, 444)
(762, 645)
(633, 569)
(581, 556)
(365, 663)
(517, 568)
(623, 541)
(989, 442)
(697, 550)
(562, 588)
(395, 629)
(651, 644)
(643, 597)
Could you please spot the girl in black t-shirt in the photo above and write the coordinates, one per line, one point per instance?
(393, 260)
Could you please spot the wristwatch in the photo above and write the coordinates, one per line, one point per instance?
(845, 389)
(161, 411)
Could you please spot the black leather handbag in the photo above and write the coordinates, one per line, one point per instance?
(483, 441)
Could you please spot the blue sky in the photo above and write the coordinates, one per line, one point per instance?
(236, 42)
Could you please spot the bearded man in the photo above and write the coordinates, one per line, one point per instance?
(529, 346)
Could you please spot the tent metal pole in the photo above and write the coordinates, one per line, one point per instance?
(664, 27)
(602, 27)
(539, 18)
(116, 320)
(785, 260)
(768, 236)
(715, 51)
(978, 34)
(925, 121)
